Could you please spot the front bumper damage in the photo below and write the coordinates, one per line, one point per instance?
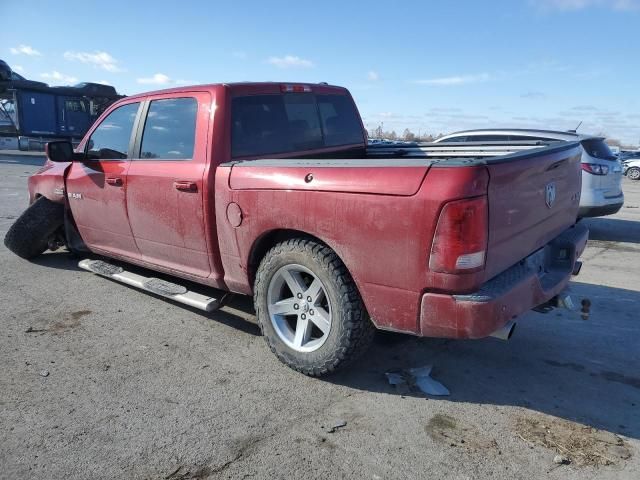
(536, 281)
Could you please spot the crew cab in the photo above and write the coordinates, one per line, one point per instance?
(269, 189)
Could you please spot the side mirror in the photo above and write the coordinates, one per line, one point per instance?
(59, 151)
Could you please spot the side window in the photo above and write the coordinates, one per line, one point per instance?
(455, 139)
(524, 138)
(170, 129)
(74, 106)
(111, 139)
(487, 138)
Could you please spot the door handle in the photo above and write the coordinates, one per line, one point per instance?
(185, 186)
(115, 181)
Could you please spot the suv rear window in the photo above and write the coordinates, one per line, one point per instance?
(596, 148)
(268, 124)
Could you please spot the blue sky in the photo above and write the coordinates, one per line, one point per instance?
(434, 66)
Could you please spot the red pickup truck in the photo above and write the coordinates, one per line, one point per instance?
(269, 190)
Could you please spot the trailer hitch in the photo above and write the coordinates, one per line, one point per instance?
(565, 300)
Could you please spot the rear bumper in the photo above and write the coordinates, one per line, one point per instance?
(597, 202)
(600, 211)
(532, 282)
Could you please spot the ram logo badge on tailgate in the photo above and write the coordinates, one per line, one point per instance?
(550, 194)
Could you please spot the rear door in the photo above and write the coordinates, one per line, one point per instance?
(96, 187)
(165, 182)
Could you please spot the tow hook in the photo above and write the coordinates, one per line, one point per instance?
(564, 300)
(586, 308)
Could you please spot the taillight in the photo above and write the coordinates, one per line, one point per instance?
(287, 88)
(595, 168)
(460, 242)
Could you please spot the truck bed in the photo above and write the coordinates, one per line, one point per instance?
(421, 154)
(521, 217)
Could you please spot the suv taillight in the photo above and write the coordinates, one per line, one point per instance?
(595, 168)
(460, 242)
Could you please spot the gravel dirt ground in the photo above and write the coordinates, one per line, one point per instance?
(99, 380)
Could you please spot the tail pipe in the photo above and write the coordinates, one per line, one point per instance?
(505, 332)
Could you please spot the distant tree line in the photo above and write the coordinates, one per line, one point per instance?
(410, 136)
(407, 135)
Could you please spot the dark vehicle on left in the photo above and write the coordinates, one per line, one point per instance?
(33, 113)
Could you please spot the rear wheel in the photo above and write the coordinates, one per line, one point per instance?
(29, 236)
(633, 173)
(309, 309)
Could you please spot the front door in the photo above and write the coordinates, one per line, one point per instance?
(165, 194)
(96, 187)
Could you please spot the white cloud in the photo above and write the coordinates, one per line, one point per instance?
(157, 79)
(98, 59)
(454, 80)
(289, 61)
(58, 77)
(102, 82)
(25, 50)
(373, 76)
(18, 68)
(621, 5)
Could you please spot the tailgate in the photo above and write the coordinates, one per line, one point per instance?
(533, 197)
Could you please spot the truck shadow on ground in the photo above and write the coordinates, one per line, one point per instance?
(613, 230)
(228, 316)
(557, 364)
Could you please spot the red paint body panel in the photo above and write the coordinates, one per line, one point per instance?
(383, 240)
(380, 219)
(101, 212)
(479, 317)
(48, 182)
(382, 181)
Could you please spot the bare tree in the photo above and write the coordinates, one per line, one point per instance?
(408, 135)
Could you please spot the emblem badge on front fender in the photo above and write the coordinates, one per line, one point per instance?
(550, 194)
(75, 196)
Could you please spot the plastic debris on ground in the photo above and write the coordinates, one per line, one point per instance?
(337, 425)
(414, 380)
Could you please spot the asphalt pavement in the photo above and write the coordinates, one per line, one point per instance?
(100, 380)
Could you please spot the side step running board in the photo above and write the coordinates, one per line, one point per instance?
(166, 289)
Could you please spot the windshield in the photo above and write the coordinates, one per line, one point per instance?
(598, 149)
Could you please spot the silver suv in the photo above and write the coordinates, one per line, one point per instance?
(601, 171)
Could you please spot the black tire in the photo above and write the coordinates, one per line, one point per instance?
(29, 236)
(633, 173)
(351, 330)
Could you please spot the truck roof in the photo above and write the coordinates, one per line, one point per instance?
(241, 86)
